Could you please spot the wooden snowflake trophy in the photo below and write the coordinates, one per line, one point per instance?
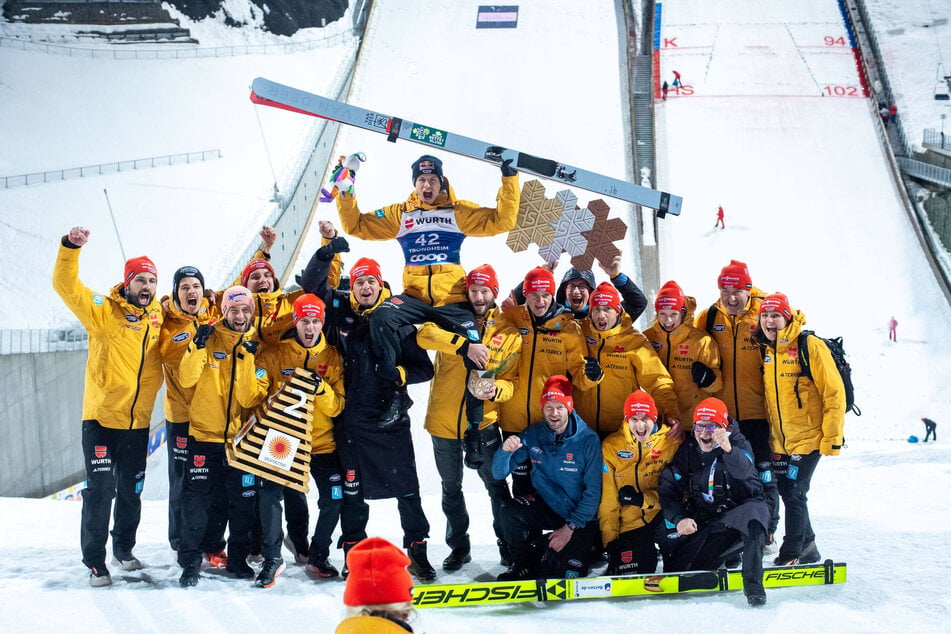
(276, 445)
(557, 225)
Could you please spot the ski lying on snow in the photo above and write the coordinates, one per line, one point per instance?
(269, 93)
(723, 580)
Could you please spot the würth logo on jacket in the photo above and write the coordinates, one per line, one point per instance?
(684, 348)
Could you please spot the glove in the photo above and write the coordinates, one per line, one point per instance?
(507, 169)
(592, 369)
(628, 496)
(251, 346)
(702, 375)
(201, 335)
(315, 378)
(336, 245)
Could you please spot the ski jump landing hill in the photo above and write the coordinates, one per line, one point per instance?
(772, 123)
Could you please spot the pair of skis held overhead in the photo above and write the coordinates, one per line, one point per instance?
(269, 93)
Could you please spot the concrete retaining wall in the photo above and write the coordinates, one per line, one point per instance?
(41, 398)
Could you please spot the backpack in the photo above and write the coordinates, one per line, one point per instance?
(838, 355)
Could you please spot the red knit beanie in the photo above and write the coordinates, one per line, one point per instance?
(712, 410)
(670, 297)
(378, 574)
(483, 275)
(640, 402)
(539, 280)
(735, 275)
(309, 305)
(134, 266)
(605, 295)
(366, 266)
(255, 265)
(776, 303)
(558, 388)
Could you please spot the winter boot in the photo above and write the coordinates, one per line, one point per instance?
(810, 553)
(240, 569)
(419, 565)
(216, 560)
(99, 577)
(753, 565)
(472, 447)
(392, 409)
(269, 573)
(319, 567)
(126, 561)
(189, 578)
(456, 559)
(517, 573)
(300, 554)
(346, 549)
(505, 558)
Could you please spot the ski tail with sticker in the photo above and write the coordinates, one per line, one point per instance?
(631, 586)
(269, 93)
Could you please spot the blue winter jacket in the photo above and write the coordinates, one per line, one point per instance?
(566, 472)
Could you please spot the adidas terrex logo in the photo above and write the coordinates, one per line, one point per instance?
(409, 223)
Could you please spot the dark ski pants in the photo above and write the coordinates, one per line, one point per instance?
(270, 495)
(634, 551)
(297, 518)
(449, 464)
(757, 433)
(385, 323)
(210, 486)
(931, 431)
(354, 511)
(702, 550)
(115, 468)
(176, 443)
(412, 519)
(524, 519)
(794, 474)
(328, 475)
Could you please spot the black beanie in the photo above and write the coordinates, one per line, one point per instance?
(419, 167)
(185, 271)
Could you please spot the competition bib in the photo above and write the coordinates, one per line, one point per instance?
(430, 237)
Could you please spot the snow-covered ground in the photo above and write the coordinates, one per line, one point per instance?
(809, 205)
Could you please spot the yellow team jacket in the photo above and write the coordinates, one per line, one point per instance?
(446, 413)
(124, 369)
(629, 462)
(279, 362)
(274, 311)
(629, 362)
(741, 364)
(366, 624)
(436, 284)
(678, 350)
(178, 328)
(804, 415)
(227, 384)
(554, 347)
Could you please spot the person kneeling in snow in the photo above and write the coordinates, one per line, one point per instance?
(712, 499)
(566, 471)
